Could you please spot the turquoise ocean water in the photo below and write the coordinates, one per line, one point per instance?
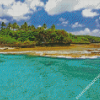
(24, 77)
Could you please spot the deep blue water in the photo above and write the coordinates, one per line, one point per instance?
(24, 77)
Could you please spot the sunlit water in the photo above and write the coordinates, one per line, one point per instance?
(25, 77)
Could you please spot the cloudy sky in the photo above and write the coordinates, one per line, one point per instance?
(80, 17)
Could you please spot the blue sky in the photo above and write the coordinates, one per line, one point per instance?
(80, 17)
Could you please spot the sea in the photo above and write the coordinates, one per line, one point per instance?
(25, 77)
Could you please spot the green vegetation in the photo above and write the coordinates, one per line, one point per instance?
(29, 36)
(85, 39)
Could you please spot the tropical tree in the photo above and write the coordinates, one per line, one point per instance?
(25, 26)
(2, 25)
(15, 26)
(32, 28)
(44, 26)
(22, 27)
(9, 25)
(29, 27)
(53, 27)
(40, 29)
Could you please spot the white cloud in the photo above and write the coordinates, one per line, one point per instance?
(18, 18)
(32, 4)
(59, 6)
(77, 25)
(6, 2)
(39, 26)
(86, 31)
(64, 23)
(2, 11)
(92, 4)
(3, 20)
(89, 13)
(35, 3)
(18, 10)
(61, 19)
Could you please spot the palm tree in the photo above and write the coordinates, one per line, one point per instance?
(32, 28)
(25, 26)
(40, 29)
(18, 27)
(53, 27)
(9, 25)
(22, 27)
(44, 26)
(2, 25)
(15, 26)
(29, 27)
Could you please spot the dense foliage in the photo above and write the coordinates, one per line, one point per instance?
(27, 36)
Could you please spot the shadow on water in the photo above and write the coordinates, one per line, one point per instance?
(81, 69)
(84, 68)
(1, 58)
(49, 63)
(1, 61)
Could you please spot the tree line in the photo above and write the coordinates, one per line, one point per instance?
(27, 36)
(23, 27)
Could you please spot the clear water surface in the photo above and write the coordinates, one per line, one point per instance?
(24, 77)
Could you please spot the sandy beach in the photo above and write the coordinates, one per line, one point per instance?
(72, 51)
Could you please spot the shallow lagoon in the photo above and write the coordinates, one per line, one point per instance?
(24, 77)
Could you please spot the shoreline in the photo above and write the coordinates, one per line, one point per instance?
(55, 55)
(73, 51)
(61, 56)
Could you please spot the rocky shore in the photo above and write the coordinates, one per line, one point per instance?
(73, 51)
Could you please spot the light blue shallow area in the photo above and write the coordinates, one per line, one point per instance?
(24, 77)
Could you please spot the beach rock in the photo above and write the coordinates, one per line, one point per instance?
(5, 48)
(17, 48)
